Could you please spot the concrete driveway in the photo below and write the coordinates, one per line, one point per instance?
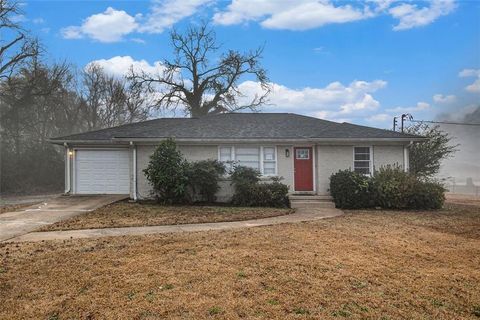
(14, 224)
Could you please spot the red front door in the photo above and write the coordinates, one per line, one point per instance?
(303, 164)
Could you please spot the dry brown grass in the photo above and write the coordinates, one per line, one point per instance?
(468, 199)
(125, 214)
(364, 265)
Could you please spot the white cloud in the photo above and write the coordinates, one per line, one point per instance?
(440, 98)
(119, 66)
(410, 15)
(421, 106)
(291, 15)
(308, 14)
(138, 40)
(381, 117)
(113, 25)
(164, 14)
(335, 101)
(38, 20)
(72, 32)
(109, 26)
(466, 73)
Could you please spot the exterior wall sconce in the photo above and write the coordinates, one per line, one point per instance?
(287, 153)
(70, 153)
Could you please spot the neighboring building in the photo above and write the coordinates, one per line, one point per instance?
(303, 150)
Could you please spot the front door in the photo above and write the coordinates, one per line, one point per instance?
(303, 164)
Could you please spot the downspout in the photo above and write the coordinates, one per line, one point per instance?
(134, 171)
(67, 165)
(406, 157)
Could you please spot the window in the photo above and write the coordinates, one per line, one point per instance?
(263, 159)
(361, 160)
(269, 161)
(225, 156)
(248, 157)
(302, 154)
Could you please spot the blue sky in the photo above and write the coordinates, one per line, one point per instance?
(361, 62)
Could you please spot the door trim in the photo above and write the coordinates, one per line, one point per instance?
(314, 167)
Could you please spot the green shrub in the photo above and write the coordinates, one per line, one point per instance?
(392, 187)
(350, 190)
(389, 188)
(203, 177)
(250, 192)
(242, 175)
(274, 194)
(167, 173)
(426, 195)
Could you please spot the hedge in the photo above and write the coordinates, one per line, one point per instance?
(390, 188)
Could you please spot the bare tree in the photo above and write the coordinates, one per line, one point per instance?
(108, 101)
(15, 44)
(200, 81)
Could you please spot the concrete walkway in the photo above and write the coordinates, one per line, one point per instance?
(14, 224)
(301, 214)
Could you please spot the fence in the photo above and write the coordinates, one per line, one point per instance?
(469, 187)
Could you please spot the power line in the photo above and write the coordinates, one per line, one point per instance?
(446, 122)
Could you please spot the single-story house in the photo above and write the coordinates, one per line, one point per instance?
(303, 150)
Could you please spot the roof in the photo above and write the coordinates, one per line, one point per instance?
(238, 126)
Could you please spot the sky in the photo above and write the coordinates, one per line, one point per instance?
(360, 62)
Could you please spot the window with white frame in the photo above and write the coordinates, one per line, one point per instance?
(269, 161)
(263, 159)
(248, 157)
(225, 155)
(361, 160)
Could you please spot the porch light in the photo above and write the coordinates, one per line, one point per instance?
(287, 153)
(70, 153)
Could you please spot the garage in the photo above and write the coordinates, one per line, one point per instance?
(102, 171)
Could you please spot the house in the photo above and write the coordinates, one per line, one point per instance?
(303, 150)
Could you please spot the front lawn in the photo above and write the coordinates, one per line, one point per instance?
(363, 265)
(126, 214)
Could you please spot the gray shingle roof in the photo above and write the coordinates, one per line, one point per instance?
(239, 126)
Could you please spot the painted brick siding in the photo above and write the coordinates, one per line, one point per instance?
(202, 152)
(191, 153)
(331, 159)
(387, 155)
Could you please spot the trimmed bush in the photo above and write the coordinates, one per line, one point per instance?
(350, 190)
(203, 177)
(167, 173)
(250, 192)
(427, 195)
(392, 187)
(389, 188)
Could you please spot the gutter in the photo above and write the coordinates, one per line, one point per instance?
(125, 141)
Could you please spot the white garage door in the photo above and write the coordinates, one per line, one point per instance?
(102, 171)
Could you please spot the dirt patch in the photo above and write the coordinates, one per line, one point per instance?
(363, 265)
(15, 207)
(125, 214)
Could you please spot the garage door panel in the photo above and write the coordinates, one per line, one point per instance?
(102, 171)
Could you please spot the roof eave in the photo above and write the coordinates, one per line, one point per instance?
(126, 140)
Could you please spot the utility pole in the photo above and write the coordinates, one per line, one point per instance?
(406, 116)
(395, 123)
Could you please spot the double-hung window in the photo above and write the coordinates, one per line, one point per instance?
(225, 155)
(263, 159)
(269, 161)
(362, 160)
